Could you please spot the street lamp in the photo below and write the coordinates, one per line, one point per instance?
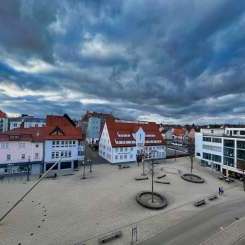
(191, 151)
(84, 170)
(28, 169)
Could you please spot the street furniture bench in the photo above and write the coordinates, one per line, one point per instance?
(199, 202)
(120, 166)
(141, 178)
(161, 176)
(162, 182)
(212, 197)
(109, 237)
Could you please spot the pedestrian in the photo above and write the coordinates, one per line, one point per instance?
(219, 191)
(222, 190)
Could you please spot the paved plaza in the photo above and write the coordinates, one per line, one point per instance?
(70, 210)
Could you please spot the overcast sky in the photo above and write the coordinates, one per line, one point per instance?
(165, 60)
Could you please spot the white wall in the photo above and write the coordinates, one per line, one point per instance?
(73, 148)
(126, 154)
(16, 148)
(105, 149)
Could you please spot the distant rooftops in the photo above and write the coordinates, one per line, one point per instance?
(96, 114)
(3, 114)
(57, 128)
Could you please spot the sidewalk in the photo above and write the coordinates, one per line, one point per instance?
(233, 234)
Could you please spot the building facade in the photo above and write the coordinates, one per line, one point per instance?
(221, 149)
(40, 147)
(20, 151)
(63, 140)
(3, 122)
(26, 122)
(92, 123)
(122, 141)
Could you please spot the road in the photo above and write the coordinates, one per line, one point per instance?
(200, 227)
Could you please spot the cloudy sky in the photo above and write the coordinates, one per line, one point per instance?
(165, 60)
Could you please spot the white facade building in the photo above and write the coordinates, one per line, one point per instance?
(121, 141)
(17, 151)
(222, 149)
(26, 122)
(41, 147)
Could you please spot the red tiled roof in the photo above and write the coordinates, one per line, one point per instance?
(57, 128)
(3, 114)
(179, 131)
(116, 127)
(54, 121)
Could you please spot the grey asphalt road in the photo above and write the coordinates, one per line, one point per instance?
(201, 226)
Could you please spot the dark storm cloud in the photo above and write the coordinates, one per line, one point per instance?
(182, 60)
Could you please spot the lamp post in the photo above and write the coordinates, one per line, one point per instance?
(84, 170)
(90, 165)
(28, 169)
(191, 151)
(152, 182)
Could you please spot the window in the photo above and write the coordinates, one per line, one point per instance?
(208, 139)
(65, 165)
(8, 157)
(61, 153)
(53, 155)
(53, 144)
(229, 161)
(62, 143)
(241, 144)
(198, 154)
(69, 153)
(36, 155)
(217, 140)
(37, 145)
(23, 156)
(56, 154)
(132, 148)
(207, 156)
(74, 142)
(241, 154)
(216, 158)
(49, 165)
(70, 142)
(229, 143)
(242, 132)
(228, 152)
(121, 156)
(125, 156)
(131, 156)
(116, 157)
